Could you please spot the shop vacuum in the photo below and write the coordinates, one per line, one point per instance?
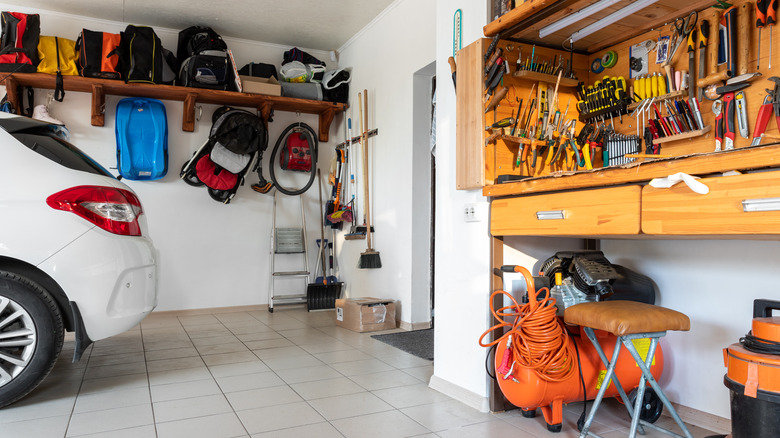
(531, 373)
(753, 376)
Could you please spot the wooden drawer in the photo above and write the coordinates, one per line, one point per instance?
(680, 211)
(611, 211)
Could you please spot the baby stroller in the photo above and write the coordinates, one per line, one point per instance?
(236, 138)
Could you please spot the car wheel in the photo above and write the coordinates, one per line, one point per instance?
(31, 334)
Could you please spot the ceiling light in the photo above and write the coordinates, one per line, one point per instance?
(575, 17)
(609, 19)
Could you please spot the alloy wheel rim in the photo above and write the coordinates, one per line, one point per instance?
(17, 339)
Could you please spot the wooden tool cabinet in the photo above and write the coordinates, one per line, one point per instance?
(615, 202)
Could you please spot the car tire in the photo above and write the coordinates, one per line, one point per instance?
(31, 336)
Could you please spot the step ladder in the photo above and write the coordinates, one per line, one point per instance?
(288, 242)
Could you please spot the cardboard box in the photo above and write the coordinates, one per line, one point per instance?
(365, 314)
(269, 86)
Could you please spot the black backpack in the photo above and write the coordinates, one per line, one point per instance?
(204, 60)
(143, 58)
(19, 46)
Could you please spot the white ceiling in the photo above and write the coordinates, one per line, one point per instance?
(312, 24)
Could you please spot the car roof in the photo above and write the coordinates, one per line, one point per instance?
(14, 123)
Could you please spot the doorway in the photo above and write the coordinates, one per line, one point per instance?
(423, 232)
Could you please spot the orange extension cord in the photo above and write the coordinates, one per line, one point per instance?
(539, 340)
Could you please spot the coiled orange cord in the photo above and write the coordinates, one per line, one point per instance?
(539, 340)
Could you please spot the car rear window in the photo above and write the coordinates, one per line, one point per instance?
(60, 151)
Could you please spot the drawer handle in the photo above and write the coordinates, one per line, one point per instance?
(550, 215)
(762, 204)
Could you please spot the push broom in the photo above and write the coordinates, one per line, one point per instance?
(370, 258)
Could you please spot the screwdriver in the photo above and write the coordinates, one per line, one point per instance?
(771, 19)
(761, 17)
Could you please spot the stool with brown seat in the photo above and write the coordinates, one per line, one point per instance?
(629, 320)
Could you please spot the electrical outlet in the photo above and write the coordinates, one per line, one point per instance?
(471, 213)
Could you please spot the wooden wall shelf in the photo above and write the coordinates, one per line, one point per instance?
(190, 96)
(544, 77)
(683, 136)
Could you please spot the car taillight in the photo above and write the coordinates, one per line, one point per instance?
(114, 210)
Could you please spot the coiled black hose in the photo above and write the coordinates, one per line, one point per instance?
(311, 137)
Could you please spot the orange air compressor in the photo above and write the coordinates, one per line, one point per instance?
(542, 363)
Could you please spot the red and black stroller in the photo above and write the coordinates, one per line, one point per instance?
(237, 139)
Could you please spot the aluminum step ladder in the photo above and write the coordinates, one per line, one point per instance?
(288, 242)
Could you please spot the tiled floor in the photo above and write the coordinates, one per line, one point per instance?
(253, 373)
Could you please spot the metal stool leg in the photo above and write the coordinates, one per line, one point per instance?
(592, 336)
(603, 389)
(644, 366)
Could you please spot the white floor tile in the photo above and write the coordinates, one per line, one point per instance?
(308, 374)
(279, 417)
(385, 379)
(110, 419)
(263, 397)
(318, 430)
(445, 415)
(114, 383)
(212, 426)
(147, 431)
(412, 395)
(249, 381)
(179, 363)
(37, 427)
(350, 405)
(390, 424)
(326, 388)
(342, 356)
(173, 353)
(288, 363)
(226, 358)
(287, 351)
(176, 391)
(489, 429)
(238, 369)
(98, 401)
(358, 367)
(191, 408)
(178, 376)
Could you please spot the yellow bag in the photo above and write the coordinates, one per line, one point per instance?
(57, 54)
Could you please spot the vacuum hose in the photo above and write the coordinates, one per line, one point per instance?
(311, 137)
(539, 340)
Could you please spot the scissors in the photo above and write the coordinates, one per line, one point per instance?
(681, 28)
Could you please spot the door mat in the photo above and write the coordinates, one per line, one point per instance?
(418, 342)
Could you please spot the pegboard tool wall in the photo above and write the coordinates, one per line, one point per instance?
(500, 155)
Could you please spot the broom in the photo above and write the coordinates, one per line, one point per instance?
(370, 258)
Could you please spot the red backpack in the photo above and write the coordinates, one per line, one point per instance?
(19, 46)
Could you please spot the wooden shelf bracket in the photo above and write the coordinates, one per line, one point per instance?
(98, 105)
(188, 117)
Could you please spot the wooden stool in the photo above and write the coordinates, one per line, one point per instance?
(629, 320)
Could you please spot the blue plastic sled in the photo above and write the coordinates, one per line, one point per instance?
(141, 138)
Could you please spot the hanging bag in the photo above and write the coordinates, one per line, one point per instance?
(19, 47)
(98, 54)
(58, 56)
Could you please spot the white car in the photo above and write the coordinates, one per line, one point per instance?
(75, 253)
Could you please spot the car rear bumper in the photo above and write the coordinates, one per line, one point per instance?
(112, 279)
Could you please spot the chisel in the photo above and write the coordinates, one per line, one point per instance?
(692, 62)
(704, 34)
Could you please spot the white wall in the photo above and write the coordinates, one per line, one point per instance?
(385, 56)
(211, 255)
(714, 282)
(462, 276)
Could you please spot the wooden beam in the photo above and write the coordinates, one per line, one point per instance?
(515, 16)
(684, 10)
(755, 157)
